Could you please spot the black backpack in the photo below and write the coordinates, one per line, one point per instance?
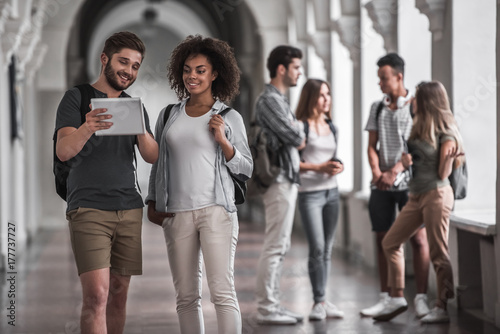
(61, 168)
(240, 187)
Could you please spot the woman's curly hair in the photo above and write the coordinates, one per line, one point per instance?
(220, 55)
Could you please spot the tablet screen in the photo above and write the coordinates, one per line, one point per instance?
(127, 112)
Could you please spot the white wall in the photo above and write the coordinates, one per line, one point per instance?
(474, 103)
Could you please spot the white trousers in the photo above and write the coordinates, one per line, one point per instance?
(279, 203)
(214, 232)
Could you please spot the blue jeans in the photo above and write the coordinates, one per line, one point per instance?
(320, 212)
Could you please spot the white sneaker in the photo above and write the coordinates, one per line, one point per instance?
(332, 311)
(275, 318)
(394, 306)
(318, 312)
(377, 308)
(436, 316)
(421, 308)
(285, 311)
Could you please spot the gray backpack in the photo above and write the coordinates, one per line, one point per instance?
(458, 181)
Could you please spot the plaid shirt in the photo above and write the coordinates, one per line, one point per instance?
(273, 114)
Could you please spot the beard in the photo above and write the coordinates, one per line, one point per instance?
(290, 82)
(113, 80)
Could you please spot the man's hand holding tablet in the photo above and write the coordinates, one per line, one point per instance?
(127, 115)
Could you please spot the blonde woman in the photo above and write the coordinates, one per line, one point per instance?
(318, 193)
(435, 147)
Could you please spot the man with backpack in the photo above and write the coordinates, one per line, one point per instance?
(389, 126)
(104, 207)
(284, 135)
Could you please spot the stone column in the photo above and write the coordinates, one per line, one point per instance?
(320, 34)
(439, 13)
(496, 238)
(348, 28)
(5, 11)
(31, 56)
(297, 27)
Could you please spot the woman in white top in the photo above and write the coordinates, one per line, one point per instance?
(191, 192)
(318, 192)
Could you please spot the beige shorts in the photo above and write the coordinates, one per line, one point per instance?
(106, 239)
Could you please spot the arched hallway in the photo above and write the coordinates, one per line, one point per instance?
(48, 292)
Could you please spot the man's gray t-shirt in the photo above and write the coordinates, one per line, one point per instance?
(392, 127)
(102, 175)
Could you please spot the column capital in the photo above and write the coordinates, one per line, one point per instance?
(384, 14)
(348, 28)
(435, 11)
(298, 9)
(32, 36)
(321, 40)
(34, 64)
(321, 14)
(15, 27)
(5, 11)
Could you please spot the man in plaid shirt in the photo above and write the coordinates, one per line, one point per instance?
(274, 115)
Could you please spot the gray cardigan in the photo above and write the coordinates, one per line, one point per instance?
(241, 164)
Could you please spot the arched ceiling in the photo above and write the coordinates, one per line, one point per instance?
(171, 16)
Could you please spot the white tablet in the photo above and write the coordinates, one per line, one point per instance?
(127, 112)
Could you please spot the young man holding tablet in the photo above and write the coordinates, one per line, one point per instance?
(104, 208)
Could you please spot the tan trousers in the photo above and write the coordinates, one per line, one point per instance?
(433, 209)
(214, 232)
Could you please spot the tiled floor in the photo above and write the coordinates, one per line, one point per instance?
(48, 293)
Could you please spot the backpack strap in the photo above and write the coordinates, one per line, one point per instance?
(168, 109)
(332, 128)
(306, 129)
(379, 110)
(225, 111)
(330, 124)
(166, 115)
(381, 106)
(87, 92)
(334, 131)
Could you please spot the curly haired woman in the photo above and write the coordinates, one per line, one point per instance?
(191, 194)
